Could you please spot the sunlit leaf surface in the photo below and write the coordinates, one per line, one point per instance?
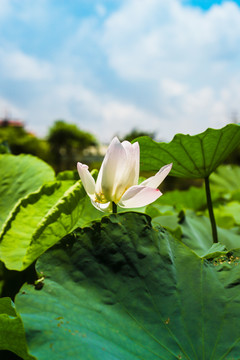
(20, 175)
(42, 219)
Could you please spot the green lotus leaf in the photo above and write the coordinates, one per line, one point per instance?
(163, 215)
(196, 234)
(194, 198)
(68, 175)
(228, 215)
(226, 178)
(194, 156)
(12, 334)
(20, 175)
(43, 218)
(121, 289)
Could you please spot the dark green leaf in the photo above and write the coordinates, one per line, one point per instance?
(123, 290)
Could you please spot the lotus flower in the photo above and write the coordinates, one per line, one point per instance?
(117, 181)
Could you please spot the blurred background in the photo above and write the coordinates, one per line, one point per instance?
(75, 73)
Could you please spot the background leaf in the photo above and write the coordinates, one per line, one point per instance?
(226, 178)
(20, 175)
(196, 234)
(194, 198)
(120, 289)
(12, 335)
(228, 215)
(192, 156)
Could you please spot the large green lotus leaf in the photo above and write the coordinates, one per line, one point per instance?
(20, 175)
(12, 334)
(194, 156)
(226, 178)
(41, 219)
(121, 289)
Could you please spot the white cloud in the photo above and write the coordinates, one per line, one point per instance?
(9, 109)
(17, 65)
(155, 38)
(190, 58)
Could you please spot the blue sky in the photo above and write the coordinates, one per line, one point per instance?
(113, 65)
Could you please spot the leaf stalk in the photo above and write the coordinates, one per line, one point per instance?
(210, 210)
(114, 208)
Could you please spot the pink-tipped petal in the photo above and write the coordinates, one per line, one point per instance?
(156, 180)
(138, 196)
(87, 179)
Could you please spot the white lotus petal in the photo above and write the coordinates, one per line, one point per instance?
(107, 207)
(87, 179)
(156, 180)
(138, 196)
(112, 169)
(133, 153)
(130, 170)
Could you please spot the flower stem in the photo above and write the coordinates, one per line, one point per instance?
(114, 207)
(210, 210)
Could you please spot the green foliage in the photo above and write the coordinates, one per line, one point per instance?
(4, 148)
(193, 198)
(121, 286)
(196, 234)
(192, 156)
(193, 229)
(120, 289)
(134, 133)
(12, 334)
(20, 141)
(40, 220)
(62, 134)
(67, 142)
(226, 178)
(20, 176)
(35, 217)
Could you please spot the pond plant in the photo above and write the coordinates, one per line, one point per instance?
(104, 267)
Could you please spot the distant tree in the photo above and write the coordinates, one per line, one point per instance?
(134, 133)
(67, 143)
(17, 140)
